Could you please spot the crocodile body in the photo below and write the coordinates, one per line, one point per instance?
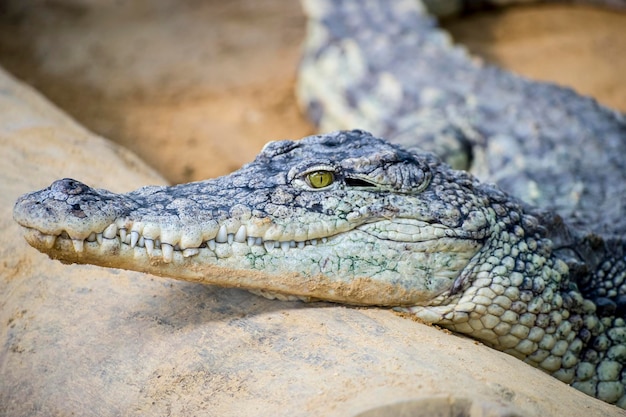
(533, 266)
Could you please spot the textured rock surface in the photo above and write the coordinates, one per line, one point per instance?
(90, 341)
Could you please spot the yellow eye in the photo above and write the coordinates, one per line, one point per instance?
(320, 179)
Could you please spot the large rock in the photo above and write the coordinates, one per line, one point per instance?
(81, 340)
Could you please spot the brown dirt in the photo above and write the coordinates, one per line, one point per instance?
(197, 87)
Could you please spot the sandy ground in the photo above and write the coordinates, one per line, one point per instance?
(197, 87)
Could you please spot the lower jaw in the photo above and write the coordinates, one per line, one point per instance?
(276, 273)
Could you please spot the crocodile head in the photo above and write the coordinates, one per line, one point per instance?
(340, 217)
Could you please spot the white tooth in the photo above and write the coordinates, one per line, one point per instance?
(258, 241)
(269, 245)
(123, 235)
(134, 238)
(49, 240)
(251, 240)
(211, 244)
(91, 237)
(240, 236)
(284, 246)
(99, 238)
(142, 242)
(168, 252)
(190, 252)
(324, 239)
(231, 238)
(157, 243)
(79, 244)
(222, 235)
(149, 246)
(277, 244)
(300, 245)
(110, 232)
(292, 243)
(314, 242)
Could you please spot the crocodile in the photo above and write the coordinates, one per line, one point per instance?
(521, 249)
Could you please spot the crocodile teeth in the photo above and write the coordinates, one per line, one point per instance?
(110, 232)
(149, 243)
(240, 236)
(168, 252)
(190, 252)
(79, 245)
(222, 235)
(48, 240)
(134, 238)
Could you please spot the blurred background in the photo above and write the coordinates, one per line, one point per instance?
(197, 87)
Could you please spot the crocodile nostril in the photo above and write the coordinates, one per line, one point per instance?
(77, 211)
(68, 186)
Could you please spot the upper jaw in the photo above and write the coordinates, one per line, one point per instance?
(70, 210)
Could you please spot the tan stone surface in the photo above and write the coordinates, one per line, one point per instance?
(87, 341)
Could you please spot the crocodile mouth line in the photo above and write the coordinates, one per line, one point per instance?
(135, 240)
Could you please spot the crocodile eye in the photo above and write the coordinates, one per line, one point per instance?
(320, 179)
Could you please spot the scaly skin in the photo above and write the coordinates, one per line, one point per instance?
(394, 228)
(389, 70)
(399, 228)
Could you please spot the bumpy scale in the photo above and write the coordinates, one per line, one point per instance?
(347, 217)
